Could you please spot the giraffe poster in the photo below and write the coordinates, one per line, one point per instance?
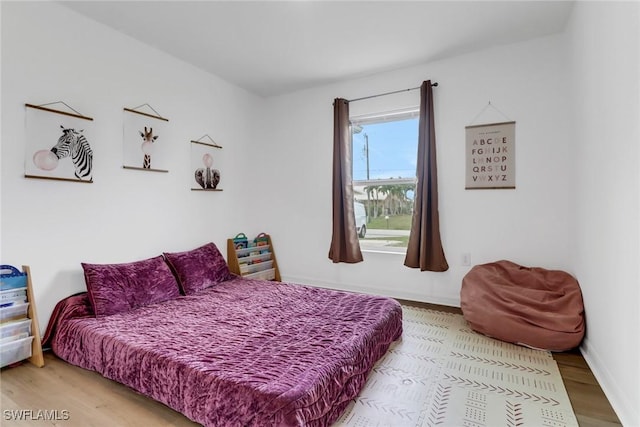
(145, 141)
(58, 145)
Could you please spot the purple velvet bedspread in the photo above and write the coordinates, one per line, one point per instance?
(241, 353)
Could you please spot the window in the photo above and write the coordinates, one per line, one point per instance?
(384, 177)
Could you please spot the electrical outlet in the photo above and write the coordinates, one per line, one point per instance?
(466, 259)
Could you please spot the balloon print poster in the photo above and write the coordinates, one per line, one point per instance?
(58, 145)
(146, 145)
(205, 161)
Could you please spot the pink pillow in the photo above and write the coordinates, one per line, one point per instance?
(117, 288)
(199, 268)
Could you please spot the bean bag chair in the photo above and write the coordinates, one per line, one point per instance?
(529, 306)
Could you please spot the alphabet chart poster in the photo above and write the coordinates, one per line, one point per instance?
(491, 156)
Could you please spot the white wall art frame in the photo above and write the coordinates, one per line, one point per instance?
(58, 144)
(491, 156)
(205, 164)
(145, 145)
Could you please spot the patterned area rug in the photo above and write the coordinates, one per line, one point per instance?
(441, 373)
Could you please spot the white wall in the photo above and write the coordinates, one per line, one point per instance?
(575, 206)
(49, 53)
(529, 225)
(604, 44)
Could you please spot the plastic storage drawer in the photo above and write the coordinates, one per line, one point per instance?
(13, 312)
(13, 294)
(269, 274)
(15, 351)
(12, 331)
(255, 267)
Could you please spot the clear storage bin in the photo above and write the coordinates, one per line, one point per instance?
(15, 351)
(12, 331)
(13, 294)
(255, 267)
(14, 312)
(269, 274)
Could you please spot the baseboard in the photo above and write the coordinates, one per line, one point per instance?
(393, 293)
(626, 410)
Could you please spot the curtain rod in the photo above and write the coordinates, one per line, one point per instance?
(389, 93)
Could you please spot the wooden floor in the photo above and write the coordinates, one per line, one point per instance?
(76, 397)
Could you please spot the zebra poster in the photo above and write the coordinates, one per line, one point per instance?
(58, 145)
(146, 145)
(205, 164)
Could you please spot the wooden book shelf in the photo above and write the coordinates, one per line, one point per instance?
(255, 262)
(36, 344)
(20, 330)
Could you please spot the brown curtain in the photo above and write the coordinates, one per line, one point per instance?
(344, 240)
(424, 249)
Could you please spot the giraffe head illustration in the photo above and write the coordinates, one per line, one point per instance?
(147, 146)
(147, 135)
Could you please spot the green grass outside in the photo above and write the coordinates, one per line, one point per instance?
(396, 222)
(400, 241)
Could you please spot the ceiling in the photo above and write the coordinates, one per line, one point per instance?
(275, 47)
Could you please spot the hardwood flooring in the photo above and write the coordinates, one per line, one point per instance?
(587, 398)
(77, 397)
(73, 396)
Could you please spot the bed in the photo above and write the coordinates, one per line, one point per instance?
(224, 350)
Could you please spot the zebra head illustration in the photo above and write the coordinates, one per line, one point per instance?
(73, 143)
(147, 146)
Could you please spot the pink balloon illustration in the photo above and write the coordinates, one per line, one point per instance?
(147, 148)
(45, 160)
(207, 159)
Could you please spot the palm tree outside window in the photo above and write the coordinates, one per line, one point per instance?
(384, 176)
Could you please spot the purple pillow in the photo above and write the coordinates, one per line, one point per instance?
(198, 268)
(117, 288)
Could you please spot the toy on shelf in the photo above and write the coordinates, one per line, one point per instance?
(240, 241)
(261, 239)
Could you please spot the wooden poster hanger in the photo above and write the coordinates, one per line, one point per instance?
(211, 144)
(44, 107)
(156, 116)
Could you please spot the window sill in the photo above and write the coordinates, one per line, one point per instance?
(383, 251)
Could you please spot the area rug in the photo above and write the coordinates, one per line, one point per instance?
(441, 373)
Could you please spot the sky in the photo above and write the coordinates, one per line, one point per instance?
(393, 150)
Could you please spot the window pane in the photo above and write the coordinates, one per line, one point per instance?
(384, 155)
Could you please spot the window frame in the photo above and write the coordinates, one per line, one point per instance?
(375, 118)
(381, 117)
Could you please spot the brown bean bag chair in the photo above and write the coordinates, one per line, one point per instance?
(529, 306)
